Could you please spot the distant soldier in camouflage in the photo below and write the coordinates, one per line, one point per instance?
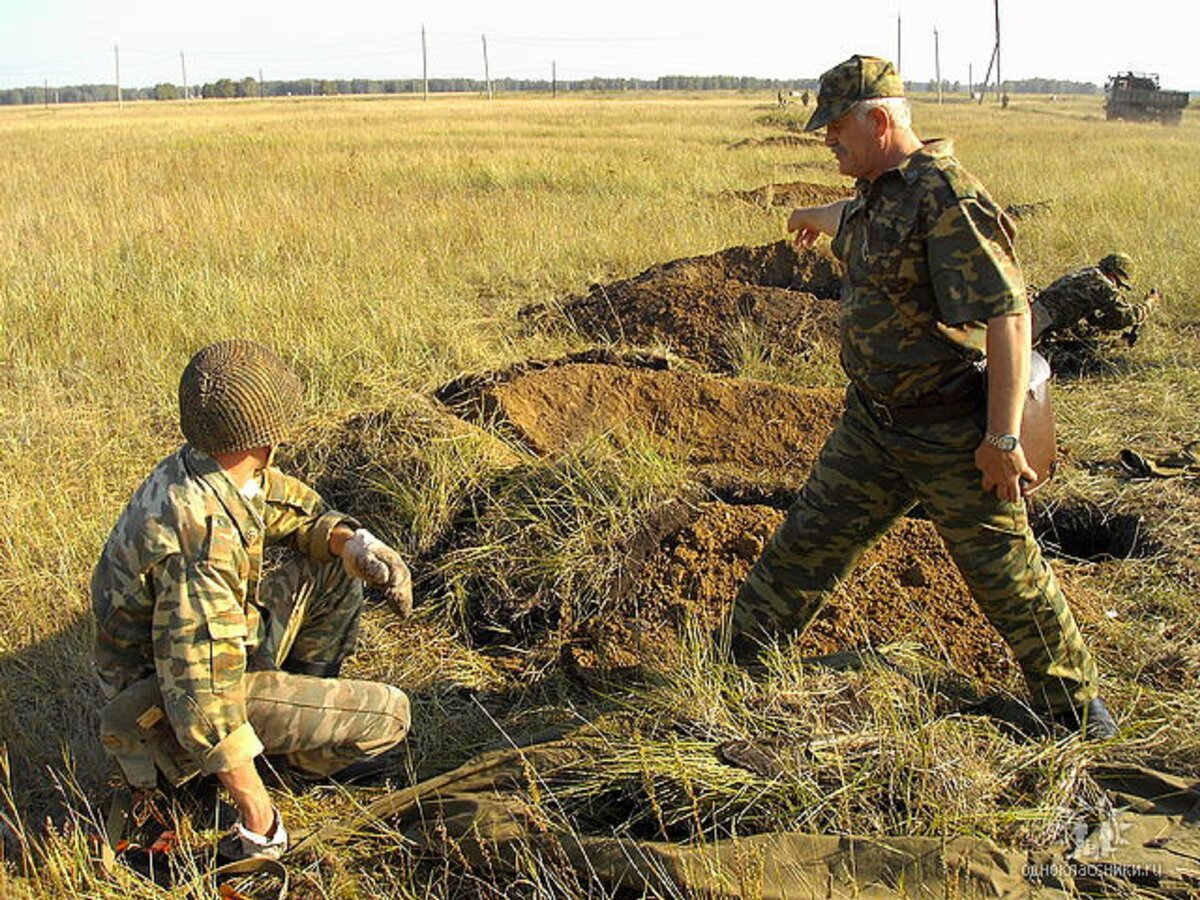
(931, 289)
(1085, 306)
(205, 660)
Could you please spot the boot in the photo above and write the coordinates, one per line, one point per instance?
(1094, 720)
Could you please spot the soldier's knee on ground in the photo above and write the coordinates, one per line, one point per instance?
(395, 723)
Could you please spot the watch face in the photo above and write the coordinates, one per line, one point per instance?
(1006, 442)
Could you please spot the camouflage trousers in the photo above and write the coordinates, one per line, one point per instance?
(298, 708)
(866, 477)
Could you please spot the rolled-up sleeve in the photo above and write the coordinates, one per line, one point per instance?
(972, 263)
(199, 634)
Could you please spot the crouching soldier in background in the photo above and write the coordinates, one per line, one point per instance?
(205, 660)
(1079, 310)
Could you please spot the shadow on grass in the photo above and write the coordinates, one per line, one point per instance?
(49, 705)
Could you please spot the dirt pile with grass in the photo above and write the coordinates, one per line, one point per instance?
(736, 434)
(764, 302)
(777, 140)
(905, 589)
(791, 194)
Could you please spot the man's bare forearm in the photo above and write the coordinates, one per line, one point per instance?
(1007, 372)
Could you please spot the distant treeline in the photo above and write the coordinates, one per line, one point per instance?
(250, 87)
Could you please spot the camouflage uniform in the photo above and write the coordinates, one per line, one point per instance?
(1084, 301)
(207, 662)
(928, 259)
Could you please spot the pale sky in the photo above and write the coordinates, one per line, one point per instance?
(71, 41)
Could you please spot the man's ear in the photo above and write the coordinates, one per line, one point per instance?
(880, 120)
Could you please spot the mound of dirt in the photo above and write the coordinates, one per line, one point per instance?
(405, 471)
(735, 432)
(776, 140)
(769, 300)
(791, 194)
(906, 588)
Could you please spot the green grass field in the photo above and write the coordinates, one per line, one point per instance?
(383, 247)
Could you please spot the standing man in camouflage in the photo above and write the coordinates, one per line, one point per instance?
(1086, 303)
(931, 289)
(204, 660)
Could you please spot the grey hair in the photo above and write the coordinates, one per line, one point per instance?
(898, 108)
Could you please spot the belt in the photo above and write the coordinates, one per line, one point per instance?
(937, 409)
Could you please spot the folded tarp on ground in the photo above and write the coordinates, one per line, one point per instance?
(496, 815)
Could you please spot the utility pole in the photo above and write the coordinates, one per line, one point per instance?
(554, 78)
(898, 46)
(937, 65)
(46, 93)
(970, 81)
(424, 66)
(117, 56)
(183, 71)
(487, 76)
(261, 95)
(999, 83)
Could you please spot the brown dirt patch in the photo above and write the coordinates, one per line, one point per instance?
(791, 194)
(906, 588)
(710, 309)
(776, 140)
(736, 432)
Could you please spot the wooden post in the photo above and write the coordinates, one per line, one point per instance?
(554, 78)
(46, 93)
(183, 70)
(261, 85)
(898, 46)
(487, 76)
(999, 83)
(117, 57)
(937, 65)
(424, 66)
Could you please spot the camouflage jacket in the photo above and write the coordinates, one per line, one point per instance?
(1087, 296)
(176, 591)
(928, 260)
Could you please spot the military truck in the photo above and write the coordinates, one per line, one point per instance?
(1137, 97)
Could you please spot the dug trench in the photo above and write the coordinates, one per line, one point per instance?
(769, 301)
(790, 194)
(748, 445)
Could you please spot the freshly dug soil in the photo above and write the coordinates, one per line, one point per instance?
(906, 588)
(768, 300)
(791, 194)
(776, 140)
(736, 432)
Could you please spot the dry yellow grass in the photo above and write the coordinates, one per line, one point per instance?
(383, 247)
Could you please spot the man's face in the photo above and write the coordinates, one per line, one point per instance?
(854, 143)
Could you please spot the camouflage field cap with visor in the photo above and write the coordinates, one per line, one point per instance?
(1117, 266)
(858, 78)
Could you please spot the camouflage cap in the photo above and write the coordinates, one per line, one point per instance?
(236, 395)
(858, 78)
(1117, 266)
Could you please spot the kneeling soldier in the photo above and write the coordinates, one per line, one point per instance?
(205, 660)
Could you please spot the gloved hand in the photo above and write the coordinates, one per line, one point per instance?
(367, 558)
(260, 846)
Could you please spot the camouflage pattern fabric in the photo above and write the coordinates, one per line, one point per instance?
(1085, 300)
(180, 601)
(928, 259)
(866, 477)
(858, 78)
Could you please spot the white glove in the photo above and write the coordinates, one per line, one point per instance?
(262, 846)
(369, 559)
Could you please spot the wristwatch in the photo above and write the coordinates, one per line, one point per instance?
(1006, 442)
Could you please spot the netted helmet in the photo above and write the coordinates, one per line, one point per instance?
(236, 395)
(1117, 266)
